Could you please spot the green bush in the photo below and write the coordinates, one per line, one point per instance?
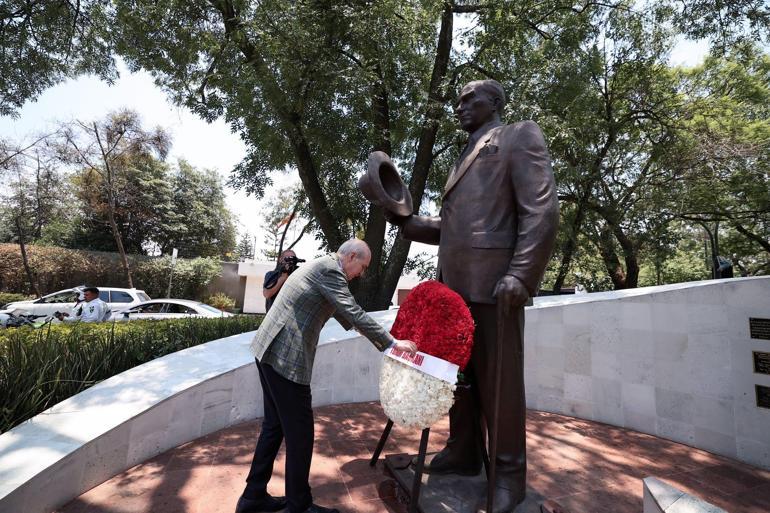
(188, 281)
(9, 297)
(59, 268)
(41, 367)
(222, 301)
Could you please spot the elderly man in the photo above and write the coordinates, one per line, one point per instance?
(495, 232)
(284, 348)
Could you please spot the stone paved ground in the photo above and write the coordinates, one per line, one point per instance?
(585, 466)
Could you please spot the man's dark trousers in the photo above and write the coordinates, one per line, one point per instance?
(288, 413)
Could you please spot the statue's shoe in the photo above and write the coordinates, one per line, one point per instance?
(509, 493)
(445, 462)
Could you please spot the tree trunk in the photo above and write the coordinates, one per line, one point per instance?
(368, 288)
(119, 243)
(568, 251)
(424, 157)
(630, 257)
(24, 259)
(610, 258)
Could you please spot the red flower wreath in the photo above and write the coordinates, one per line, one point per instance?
(437, 319)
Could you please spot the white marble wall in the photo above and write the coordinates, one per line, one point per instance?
(131, 417)
(673, 361)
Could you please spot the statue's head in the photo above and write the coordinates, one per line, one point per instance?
(480, 102)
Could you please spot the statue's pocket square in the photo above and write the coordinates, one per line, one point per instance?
(488, 149)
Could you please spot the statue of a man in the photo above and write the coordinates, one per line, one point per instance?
(495, 232)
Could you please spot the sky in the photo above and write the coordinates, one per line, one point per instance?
(202, 144)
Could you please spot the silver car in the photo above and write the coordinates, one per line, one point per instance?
(168, 309)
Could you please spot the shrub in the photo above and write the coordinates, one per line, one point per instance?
(222, 301)
(9, 297)
(41, 367)
(188, 281)
(60, 268)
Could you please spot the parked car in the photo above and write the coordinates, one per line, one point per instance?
(64, 300)
(168, 309)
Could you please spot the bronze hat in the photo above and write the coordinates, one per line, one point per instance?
(382, 185)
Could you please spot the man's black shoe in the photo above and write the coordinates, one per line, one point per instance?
(268, 504)
(315, 508)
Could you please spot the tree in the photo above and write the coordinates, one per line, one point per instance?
(107, 150)
(30, 201)
(143, 204)
(45, 42)
(198, 222)
(307, 86)
(282, 217)
(245, 249)
(722, 162)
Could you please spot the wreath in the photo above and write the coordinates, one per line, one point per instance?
(438, 321)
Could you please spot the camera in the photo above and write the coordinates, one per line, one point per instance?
(292, 261)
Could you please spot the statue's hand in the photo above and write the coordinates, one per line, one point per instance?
(510, 293)
(394, 218)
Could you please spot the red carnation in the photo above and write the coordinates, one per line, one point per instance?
(437, 319)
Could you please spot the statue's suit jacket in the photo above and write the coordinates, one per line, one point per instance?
(499, 213)
(288, 336)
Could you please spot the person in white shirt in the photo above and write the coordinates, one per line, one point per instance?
(92, 309)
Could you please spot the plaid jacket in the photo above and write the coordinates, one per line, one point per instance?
(288, 336)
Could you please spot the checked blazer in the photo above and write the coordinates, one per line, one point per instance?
(288, 336)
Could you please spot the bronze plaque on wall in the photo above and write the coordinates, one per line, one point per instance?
(763, 396)
(759, 328)
(761, 362)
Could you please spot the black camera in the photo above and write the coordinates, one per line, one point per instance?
(292, 261)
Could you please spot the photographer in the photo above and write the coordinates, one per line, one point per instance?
(274, 280)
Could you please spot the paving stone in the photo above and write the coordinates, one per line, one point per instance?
(584, 466)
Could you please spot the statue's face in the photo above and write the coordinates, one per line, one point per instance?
(474, 108)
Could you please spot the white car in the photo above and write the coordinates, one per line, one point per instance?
(168, 309)
(64, 300)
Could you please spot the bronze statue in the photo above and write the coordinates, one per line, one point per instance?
(495, 232)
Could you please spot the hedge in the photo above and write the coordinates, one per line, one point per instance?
(59, 268)
(42, 367)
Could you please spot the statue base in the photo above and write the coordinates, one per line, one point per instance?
(449, 493)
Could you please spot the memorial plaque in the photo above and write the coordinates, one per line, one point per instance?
(759, 328)
(761, 362)
(763, 396)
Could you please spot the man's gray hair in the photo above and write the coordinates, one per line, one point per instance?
(353, 246)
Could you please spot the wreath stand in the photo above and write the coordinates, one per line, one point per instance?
(490, 464)
(414, 495)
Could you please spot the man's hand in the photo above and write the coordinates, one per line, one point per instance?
(405, 345)
(510, 293)
(394, 218)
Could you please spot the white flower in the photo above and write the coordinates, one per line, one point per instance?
(413, 398)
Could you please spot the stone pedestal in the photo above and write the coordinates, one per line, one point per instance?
(449, 493)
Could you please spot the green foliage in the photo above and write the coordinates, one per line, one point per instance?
(637, 146)
(189, 279)
(46, 42)
(222, 301)
(41, 367)
(10, 297)
(59, 268)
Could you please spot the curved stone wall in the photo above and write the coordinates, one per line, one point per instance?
(129, 418)
(674, 361)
